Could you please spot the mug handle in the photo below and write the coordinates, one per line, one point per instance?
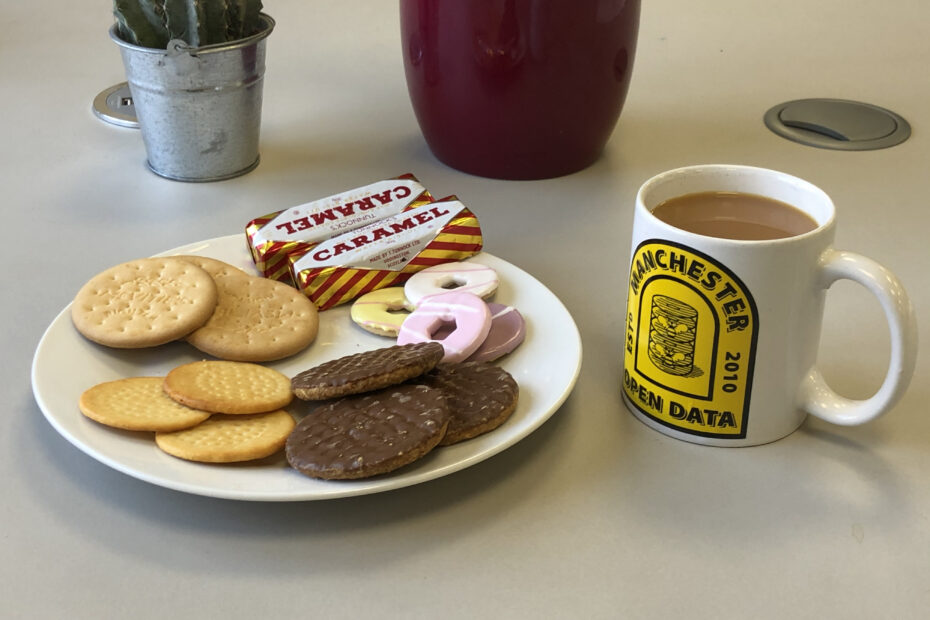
(816, 397)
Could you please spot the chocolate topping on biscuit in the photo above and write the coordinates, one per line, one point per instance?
(369, 434)
(367, 371)
(481, 396)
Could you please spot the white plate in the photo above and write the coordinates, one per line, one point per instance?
(546, 367)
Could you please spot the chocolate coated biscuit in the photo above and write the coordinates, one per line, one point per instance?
(480, 395)
(367, 371)
(368, 434)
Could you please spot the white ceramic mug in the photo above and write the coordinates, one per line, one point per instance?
(750, 315)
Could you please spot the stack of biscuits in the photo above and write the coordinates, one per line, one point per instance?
(207, 411)
(393, 406)
(219, 309)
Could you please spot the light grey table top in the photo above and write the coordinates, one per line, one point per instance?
(594, 514)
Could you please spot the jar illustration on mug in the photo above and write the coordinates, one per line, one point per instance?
(672, 335)
(691, 332)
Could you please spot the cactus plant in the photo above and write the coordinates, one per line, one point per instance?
(152, 23)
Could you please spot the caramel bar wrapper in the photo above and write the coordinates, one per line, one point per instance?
(386, 252)
(272, 237)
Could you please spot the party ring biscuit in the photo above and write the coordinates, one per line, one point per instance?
(257, 320)
(366, 371)
(230, 438)
(472, 277)
(228, 387)
(382, 311)
(508, 329)
(144, 302)
(480, 396)
(138, 404)
(466, 315)
(368, 434)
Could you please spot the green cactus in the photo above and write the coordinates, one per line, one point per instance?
(242, 18)
(152, 23)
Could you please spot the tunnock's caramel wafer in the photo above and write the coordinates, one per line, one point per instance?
(228, 387)
(366, 371)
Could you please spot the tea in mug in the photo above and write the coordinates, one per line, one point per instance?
(734, 215)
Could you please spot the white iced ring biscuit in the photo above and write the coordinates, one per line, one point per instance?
(468, 277)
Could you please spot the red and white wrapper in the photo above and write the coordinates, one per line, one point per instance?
(273, 237)
(386, 252)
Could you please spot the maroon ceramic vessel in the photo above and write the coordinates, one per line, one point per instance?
(518, 89)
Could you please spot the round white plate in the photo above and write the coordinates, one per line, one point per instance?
(545, 366)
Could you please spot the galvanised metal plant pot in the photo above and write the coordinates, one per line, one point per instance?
(199, 108)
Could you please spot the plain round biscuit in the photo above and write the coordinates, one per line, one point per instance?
(257, 320)
(144, 303)
(229, 438)
(216, 268)
(138, 404)
(228, 387)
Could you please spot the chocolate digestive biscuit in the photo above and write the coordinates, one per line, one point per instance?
(481, 396)
(368, 434)
(366, 371)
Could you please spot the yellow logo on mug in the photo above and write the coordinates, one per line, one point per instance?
(690, 343)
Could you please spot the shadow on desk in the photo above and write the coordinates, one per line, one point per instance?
(129, 516)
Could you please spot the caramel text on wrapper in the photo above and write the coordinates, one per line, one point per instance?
(273, 237)
(386, 252)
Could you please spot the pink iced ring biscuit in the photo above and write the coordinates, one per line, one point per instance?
(466, 311)
(460, 276)
(507, 332)
(381, 312)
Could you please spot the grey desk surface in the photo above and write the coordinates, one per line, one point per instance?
(593, 515)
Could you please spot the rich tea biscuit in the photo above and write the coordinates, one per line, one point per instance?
(366, 371)
(144, 303)
(257, 320)
(138, 404)
(230, 438)
(480, 395)
(214, 267)
(228, 387)
(368, 434)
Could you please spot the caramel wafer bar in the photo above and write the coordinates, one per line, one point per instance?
(386, 253)
(272, 237)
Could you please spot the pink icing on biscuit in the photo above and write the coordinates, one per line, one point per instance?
(507, 332)
(467, 311)
(508, 329)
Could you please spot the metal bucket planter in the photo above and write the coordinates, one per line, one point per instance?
(199, 108)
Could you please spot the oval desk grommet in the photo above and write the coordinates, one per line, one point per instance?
(838, 124)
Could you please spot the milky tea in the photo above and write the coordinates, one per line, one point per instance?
(734, 215)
